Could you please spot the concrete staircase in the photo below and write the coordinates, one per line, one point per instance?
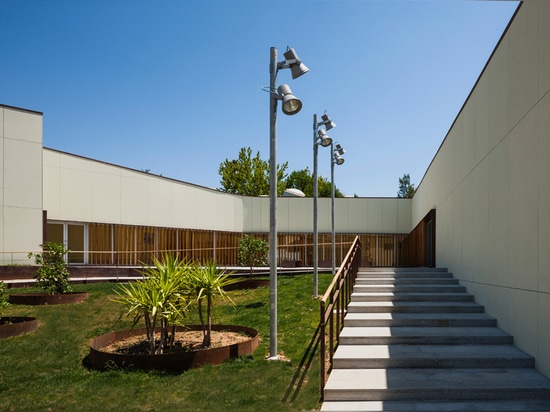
(415, 340)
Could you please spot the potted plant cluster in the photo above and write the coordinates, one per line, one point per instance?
(168, 290)
(13, 325)
(52, 276)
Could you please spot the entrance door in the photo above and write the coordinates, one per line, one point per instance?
(74, 236)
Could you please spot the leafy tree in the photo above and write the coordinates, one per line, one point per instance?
(52, 274)
(252, 252)
(249, 175)
(406, 189)
(303, 180)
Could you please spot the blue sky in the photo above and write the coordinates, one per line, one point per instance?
(176, 86)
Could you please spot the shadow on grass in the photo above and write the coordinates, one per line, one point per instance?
(300, 375)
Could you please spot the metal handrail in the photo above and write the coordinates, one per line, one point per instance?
(333, 307)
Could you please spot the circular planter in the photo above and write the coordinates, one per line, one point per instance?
(43, 298)
(16, 325)
(177, 361)
(247, 284)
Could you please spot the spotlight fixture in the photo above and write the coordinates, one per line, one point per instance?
(291, 105)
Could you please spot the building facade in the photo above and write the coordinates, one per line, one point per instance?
(483, 196)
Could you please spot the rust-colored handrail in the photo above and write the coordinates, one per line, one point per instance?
(333, 307)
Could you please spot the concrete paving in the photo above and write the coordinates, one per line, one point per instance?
(416, 342)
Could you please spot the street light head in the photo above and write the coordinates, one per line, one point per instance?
(340, 149)
(297, 68)
(291, 104)
(338, 159)
(329, 124)
(325, 139)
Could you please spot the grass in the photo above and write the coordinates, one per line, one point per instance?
(46, 370)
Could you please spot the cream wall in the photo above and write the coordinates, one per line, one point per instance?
(351, 215)
(85, 190)
(488, 183)
(20, 183)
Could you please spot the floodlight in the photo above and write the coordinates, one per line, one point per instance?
(325, 139)
(297, 68)
(291, 104)
(329, 124)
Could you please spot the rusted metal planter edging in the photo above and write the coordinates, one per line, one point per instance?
(16, 325)
(177, 361)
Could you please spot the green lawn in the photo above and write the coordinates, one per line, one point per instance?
(46, 370)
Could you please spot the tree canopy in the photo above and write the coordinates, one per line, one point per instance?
(406, 189)
(249, 175)
(303, 180)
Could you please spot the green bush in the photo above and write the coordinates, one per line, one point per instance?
(252, 252)
(52, 275)
(3, 298)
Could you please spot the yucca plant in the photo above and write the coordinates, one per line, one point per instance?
(204, 284)
(158, 298)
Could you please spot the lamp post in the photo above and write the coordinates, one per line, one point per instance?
(290, 106)
(335, 158)
(320, 137)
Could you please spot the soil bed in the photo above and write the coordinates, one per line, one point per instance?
(129, 348)
(188, 341)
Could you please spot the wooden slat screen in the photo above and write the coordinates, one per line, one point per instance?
(126, 245)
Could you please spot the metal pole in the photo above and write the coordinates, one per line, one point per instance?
(273, 204)
(315, 195)
(332, 206)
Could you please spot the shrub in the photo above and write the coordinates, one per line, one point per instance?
(52, 275)
(252, 252)
(3, 298)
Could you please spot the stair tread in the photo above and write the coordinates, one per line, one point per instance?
(428, 351)
(421, 316)
(432, 303)
(437, 406)
(400, 331)
(436, 379)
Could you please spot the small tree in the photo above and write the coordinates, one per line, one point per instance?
(52, 275)
(3, 298)
(205, 283)
(252, 252)
(159, 298)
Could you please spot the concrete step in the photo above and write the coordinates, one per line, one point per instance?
(415, 307)
(436, 384)
(404, 275)
(405, 281)
(410, 297)
(422, 336)
(430, 356)
(419, 319)
(438, 406)
(409, 288)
